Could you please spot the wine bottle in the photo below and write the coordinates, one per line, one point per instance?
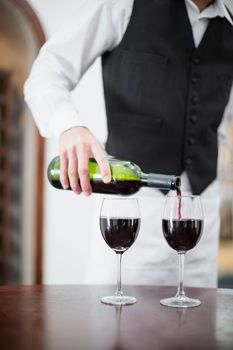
(126, 177)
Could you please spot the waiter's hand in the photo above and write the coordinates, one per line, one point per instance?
(76, 146)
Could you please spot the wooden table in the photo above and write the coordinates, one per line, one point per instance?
(72, 318)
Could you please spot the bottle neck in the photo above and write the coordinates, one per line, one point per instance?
(144, 179)
(161, 181)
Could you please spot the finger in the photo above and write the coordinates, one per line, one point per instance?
(83, 171)
(101, 158)
(64, 171)
(73, 172)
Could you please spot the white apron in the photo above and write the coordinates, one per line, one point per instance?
(150, 261)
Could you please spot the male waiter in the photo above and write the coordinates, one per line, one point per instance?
(167, 74)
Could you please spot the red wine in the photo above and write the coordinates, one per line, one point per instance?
(114, 187)
(119, 233)
(182, 235)
(178, 193)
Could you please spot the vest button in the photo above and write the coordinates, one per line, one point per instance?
(188, 161)
(191, 140)
(196, 60)
(195, 100)
(195, 79)
(193, 118)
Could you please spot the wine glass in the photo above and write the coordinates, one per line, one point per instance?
(182, 225)
(119, 225)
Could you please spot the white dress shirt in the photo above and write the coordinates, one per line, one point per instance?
(98, 26)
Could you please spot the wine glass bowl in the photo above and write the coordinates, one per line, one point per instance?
(119, 233)
(182, 235)
(182, 226)
(119, 225)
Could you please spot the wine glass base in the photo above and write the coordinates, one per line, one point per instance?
(180, 302)
(118, 300)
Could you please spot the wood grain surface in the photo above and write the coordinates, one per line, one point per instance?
(72, 318)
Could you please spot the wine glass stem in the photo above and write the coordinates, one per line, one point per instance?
(119, 292)
(180, 291)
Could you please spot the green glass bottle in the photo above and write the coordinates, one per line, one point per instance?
(126, 178)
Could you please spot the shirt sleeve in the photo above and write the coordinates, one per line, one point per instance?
(97, 27)
(227, 118)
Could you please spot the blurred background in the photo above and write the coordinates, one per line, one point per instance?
(44, 233)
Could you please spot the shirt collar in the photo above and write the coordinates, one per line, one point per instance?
(214, 10)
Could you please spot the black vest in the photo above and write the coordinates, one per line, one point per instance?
(165, 98)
